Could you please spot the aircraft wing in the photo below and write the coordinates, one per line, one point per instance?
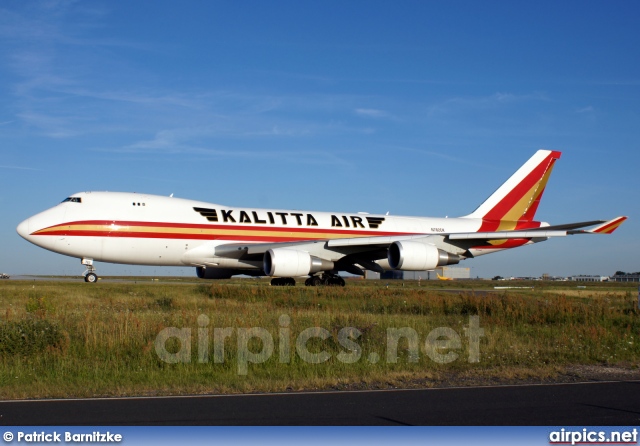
(357, 244)
(249, 250)
(352, 254)
(355, 253)
(604, 227)
(242, 250)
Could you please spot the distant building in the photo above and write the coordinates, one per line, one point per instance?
(625, 278)
(454, 272)
(371, 275)
(583, 278)
(393, 275)
(448, 272)
(417, 275)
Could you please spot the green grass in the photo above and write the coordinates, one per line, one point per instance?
(64, 339)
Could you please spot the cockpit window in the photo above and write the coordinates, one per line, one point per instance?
(73, 200)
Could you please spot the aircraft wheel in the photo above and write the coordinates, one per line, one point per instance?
(315, 281)
(335, 281)
(91, 278)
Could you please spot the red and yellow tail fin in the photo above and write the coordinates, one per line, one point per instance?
(516, 201)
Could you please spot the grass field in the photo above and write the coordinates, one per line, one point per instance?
(138, 337)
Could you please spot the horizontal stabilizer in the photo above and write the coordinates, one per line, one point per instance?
(605, 228)
(505, 235)
(568, 226)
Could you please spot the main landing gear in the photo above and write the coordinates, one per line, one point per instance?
(90, 275)
(283, 281)
(325, 279)
(319, 280)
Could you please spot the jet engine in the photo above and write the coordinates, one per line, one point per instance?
(283, 262)
(416, 256)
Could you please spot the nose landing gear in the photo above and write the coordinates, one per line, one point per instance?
(90, 275)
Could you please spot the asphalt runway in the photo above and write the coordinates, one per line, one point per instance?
(594, 404)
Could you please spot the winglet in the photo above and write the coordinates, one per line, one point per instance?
(608, 227)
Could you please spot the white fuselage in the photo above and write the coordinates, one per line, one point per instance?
(144, 229)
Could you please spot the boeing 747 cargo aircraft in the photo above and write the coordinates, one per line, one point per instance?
(221, 241)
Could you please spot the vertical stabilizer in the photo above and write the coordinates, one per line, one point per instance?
(517, 200)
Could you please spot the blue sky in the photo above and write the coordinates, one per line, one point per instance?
(415, 107)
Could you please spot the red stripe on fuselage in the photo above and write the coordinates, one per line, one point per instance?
(67, 230)
(173, 236)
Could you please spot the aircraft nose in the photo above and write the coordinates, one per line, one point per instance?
(23, 229)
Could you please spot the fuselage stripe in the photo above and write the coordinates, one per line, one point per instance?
(200, 231)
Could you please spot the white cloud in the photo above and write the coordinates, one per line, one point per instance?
(19, 168)
(180, 141)
(53, 126)
(479, 103)
(371, 113)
